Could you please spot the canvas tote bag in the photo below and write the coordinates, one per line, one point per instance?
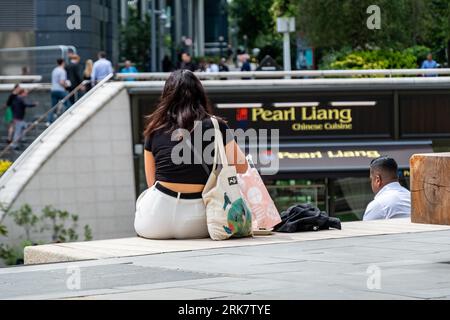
(226, 213)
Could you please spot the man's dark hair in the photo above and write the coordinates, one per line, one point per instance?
(102, 54)
(385, 164)
(59, 61)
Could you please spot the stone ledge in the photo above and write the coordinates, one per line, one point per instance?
(126, 247)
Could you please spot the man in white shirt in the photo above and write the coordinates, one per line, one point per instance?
(391, 199)
(58, 89)
(102, 67)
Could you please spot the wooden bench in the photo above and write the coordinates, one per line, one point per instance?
(430, 188)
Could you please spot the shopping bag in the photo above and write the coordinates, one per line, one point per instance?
(264, 213)
(226, 213)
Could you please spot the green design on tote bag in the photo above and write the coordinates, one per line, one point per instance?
(239, 217)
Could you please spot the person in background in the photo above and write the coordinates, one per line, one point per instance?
(391, 199)
(25, 71)
(245, 63)
(129, 68)
(18, 106)
(102, 67)
(74, 74)
(167, 64)
(230, 53)
(429, 63)
(223, 65)
(186, 62)
(212, 66)
(9, 118)
(202, 65)
(88, 66)
(58, 90)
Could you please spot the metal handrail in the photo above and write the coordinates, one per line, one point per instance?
(21, 78)
(16, 165)
(43, 116)
(68, 112)
(293, 74)
(60, 47)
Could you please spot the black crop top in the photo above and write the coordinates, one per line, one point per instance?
(189, 171)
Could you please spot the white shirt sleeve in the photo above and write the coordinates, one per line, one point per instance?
(93, 75)
(110, 68)
(374, 211)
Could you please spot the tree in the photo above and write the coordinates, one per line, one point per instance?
(135, 40)
(404, 23)
(253, 19)
(330, 25)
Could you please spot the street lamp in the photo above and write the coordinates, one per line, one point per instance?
(221, 38)
(163, 17)
(245, 42)
(285, 25)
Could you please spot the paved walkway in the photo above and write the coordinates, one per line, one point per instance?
(126, 247)
(396, 266)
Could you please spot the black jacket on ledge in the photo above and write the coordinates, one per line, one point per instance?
(304, 217)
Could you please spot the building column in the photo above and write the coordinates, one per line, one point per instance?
(200, 32)
(161, 35)
(143, 9)
(123, 11)
(190, 22)
(177, 22)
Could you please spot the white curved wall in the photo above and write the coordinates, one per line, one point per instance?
(85, 166)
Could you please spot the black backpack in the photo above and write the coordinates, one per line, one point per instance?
(304, 217)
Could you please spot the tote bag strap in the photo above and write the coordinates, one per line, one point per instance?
(218, 145)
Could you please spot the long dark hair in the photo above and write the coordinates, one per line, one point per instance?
(182, 102)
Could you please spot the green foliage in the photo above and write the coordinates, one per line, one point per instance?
(87, 233)
(25, 218)
(404, 23)
(8, 254)
(3, 230)
(420, 52)
(253, 19)
(376, 59)
(58, 218)
(331, 25)
(284, 8)
(62, 224)
(135, 40)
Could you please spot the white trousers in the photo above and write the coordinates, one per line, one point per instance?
(163, 216)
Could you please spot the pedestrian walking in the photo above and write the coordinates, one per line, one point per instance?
(74, 74)
(58, 90)
(8, 117)
(88, 66)
(19, 105)
(102, 68)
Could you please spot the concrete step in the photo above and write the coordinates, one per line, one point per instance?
(115, 248)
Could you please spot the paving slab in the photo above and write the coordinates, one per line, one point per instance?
(104, 249)
(320, 269)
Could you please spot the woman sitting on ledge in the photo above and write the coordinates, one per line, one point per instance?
(173, 207)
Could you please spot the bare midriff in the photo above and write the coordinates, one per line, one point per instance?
(183, 187)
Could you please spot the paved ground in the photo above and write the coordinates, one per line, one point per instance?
(402, 266)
